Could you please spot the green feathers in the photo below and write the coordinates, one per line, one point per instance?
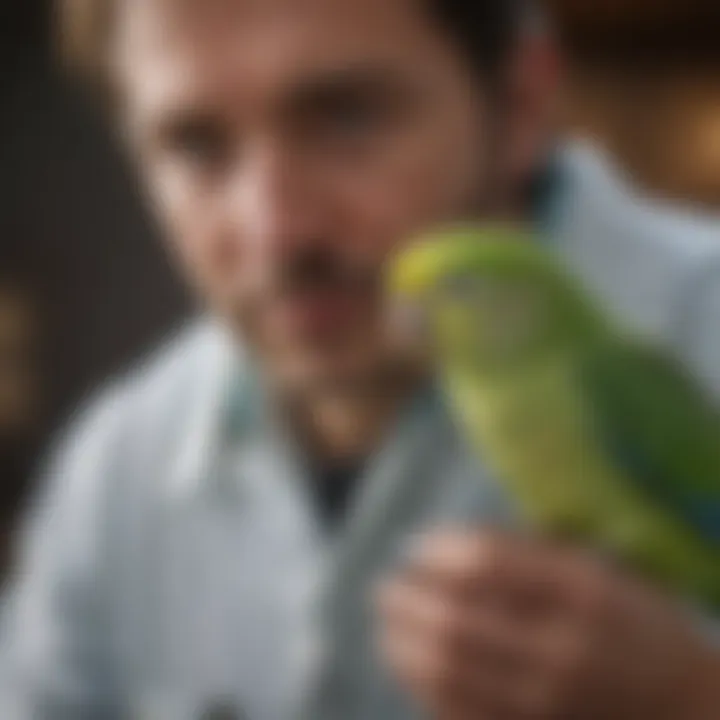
(597, 438)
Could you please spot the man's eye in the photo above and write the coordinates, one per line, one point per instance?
(355, 119)
(349, 121)
(199, 144)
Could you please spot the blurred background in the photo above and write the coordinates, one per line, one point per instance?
(84, 284)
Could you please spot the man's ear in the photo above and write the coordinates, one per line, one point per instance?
(531, 104)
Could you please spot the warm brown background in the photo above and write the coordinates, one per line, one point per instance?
(83, 282)
(645, 78)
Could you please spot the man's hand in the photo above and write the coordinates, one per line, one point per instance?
(484, 627)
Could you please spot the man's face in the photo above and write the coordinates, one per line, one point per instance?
(289, 146)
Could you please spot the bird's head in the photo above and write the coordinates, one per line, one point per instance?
(488, 296)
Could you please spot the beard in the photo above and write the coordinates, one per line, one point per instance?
(281, 318)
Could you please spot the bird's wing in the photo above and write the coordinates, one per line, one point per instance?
(661, 428)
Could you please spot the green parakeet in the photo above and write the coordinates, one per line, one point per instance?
(599, 437)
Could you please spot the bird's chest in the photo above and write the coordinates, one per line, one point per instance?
(534, 432)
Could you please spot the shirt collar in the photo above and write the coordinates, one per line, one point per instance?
(217, 386)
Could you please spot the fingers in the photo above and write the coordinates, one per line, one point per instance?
(490, 566)
(520, 573)
(500, 625)
(468, 627)
(502, 628)
(445, 687)
(453, 654)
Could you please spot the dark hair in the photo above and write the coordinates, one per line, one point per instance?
(485, 29)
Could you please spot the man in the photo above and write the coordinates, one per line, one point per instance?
(214, 528)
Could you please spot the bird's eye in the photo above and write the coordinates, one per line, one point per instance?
(465, 288)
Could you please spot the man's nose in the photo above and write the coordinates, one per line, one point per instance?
(278, 204)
